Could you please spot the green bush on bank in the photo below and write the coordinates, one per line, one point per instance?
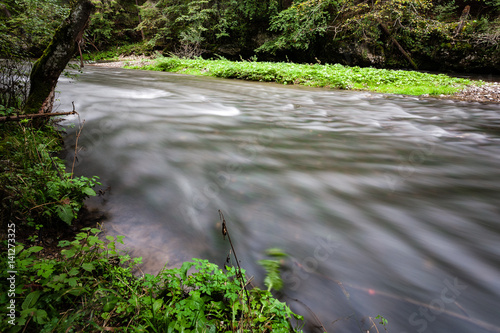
(317, 75)
(35, 188)
(91, 288)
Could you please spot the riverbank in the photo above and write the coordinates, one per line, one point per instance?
(401, 82)
(65, 275)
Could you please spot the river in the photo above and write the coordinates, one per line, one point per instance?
(386, 205)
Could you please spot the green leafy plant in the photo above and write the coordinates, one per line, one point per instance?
(299, 25)
(41, 192)
(317, 75)
(91, 287)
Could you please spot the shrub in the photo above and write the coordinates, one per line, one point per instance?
(92, 288)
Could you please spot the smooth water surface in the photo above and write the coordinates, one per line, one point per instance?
(386, 205)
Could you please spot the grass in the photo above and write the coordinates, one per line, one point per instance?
(316, 75)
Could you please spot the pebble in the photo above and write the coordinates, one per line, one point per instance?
(489, 92)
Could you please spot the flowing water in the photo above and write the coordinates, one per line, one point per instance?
(385, 205)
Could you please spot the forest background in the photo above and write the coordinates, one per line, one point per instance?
(436, 35)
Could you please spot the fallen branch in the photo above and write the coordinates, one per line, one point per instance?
(395, 42)
(34, 115)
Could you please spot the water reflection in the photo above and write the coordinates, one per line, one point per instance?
(387, 205)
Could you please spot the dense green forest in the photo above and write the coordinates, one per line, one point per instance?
(443, 35)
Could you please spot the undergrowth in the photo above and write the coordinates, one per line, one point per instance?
(92, 288)
(316, 75)
(35, 189)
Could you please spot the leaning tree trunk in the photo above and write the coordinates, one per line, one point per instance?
(48, 68)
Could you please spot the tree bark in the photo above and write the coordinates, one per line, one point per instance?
(463, 19)
(140, 19)
(48, 68)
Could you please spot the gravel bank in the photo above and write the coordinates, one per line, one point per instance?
(488, 93)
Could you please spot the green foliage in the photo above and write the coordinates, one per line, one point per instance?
(198, 24)
(92, 287)
(340, 31)
(300, 24)
(113, 23)
(382, 321)
(445, 10)
(317, 75)
(30, 25)
(39, 190)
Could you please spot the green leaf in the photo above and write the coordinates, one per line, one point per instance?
(73, 271)
(157, 305)
(72, 281)
(65, 213)
(40, 316)
(69, 253)
(88, 266)
(35, 249)
(88, 191)
(31, 300)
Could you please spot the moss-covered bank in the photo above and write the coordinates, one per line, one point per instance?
(317, 75)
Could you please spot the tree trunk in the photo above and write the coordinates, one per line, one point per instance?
(140, 19)
(48, 68)
(463, 19)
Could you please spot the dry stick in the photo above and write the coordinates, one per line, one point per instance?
(308, 309)
(374, 325)
(395, 42)
(76, 143)
(226, 233)
(80, 51)
(35, 115)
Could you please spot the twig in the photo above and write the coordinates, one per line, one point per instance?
(374, 325)
(76, 143)
(395, 42)
(240, 275)
(310, 311)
